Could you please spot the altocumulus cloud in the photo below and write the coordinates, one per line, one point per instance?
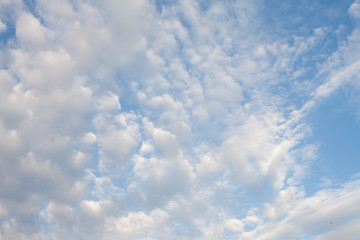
(185, 119)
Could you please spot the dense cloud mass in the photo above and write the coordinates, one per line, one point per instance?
(151, 119)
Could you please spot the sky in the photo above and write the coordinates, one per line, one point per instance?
(191, 119)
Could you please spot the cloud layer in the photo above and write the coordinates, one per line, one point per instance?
(179, 120)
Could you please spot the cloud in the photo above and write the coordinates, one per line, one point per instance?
(137, 225)
(29, 31)
(354, 9)
(153, 120)
(326, 214)
(2, 27)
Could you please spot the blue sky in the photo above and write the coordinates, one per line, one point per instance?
(179, 119)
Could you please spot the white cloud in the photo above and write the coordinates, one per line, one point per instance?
(2, 27)
(116, 147)
(137, 224)
(336, 81)
(30, 33)
(109, 101)
(89, 137)
(234, 225)
(354, 9)
(314, 217)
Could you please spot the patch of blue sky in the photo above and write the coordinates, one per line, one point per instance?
(185, 227)
(301, 17)
(160, 4)
(336, 127)
(8, 34)
(32, 7)
(336, 131)
(128, 98)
